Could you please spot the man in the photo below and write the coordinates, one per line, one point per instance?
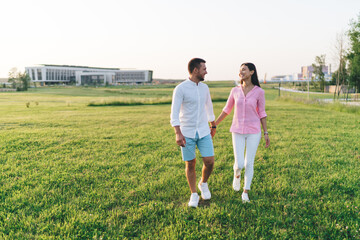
(191, 110)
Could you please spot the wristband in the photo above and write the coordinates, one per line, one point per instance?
(213, 126)
(266, 133)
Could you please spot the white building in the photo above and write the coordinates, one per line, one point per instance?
(80, 75)
(282, 78)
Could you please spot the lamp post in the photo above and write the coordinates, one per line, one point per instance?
(308, 85)
(279, 86)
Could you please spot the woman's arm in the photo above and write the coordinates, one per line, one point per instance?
(221, 117)
(228, 107)
(266, 134)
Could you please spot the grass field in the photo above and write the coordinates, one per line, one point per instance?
(73, 171)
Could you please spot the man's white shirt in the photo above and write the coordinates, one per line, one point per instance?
(192, 109)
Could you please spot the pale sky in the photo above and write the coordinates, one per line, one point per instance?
(278, 36)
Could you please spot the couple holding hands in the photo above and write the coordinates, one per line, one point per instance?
(192, 109)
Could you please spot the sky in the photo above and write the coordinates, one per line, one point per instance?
(278, 36)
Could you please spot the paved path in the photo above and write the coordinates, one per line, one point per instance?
(298, 91)
(343, 101)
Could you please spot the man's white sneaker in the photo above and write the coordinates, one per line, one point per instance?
(194, 200)
(205, 192)
(245, 197)
(236, 183)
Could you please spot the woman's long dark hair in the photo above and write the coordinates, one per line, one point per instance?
(254, 77)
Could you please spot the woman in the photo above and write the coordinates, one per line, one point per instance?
(249, 101)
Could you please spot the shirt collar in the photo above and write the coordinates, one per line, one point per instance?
(254, 88)
(191, 82)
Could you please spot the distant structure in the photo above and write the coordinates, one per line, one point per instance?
(282, 78)
(82, 75)
(307, 72)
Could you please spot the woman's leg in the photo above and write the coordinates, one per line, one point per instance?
(239, 149)
(252, 143)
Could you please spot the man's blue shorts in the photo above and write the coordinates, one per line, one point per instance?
(205, 146)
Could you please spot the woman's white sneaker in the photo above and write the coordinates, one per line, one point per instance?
(236, 183)
(194, 200)
(245, 197)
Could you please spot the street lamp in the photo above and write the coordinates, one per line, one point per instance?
(308, 84)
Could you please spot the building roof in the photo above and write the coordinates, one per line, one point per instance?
(73, 66)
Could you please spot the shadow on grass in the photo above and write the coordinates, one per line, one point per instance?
(204, 203)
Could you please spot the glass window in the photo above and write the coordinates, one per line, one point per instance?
(39, 73)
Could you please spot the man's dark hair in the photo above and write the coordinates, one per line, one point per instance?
(195, 63)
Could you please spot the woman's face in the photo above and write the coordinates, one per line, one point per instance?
(245, 73)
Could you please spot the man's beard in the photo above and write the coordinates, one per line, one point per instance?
(200, 78)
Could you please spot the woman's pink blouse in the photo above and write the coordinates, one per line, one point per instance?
(248, 110)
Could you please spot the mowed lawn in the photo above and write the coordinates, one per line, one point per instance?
(71, 171)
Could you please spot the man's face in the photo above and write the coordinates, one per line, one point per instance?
(201, 72)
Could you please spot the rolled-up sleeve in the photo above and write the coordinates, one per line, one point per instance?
(229, 103)
(261, 105)
(175, 107)
(209, 108)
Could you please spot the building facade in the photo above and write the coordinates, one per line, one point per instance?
(307, 72)
(81, 75)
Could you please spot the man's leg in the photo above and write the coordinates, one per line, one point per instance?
(206, 148)
(206, 171)
(189, 156)
(191, 174)
(207, 168)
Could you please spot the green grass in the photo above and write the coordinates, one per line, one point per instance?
(70, 171)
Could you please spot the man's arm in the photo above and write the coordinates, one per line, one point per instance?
(212, 128)
(175, 107)
(175, 121)
(180, 139)
(210, 113)
(209, 107)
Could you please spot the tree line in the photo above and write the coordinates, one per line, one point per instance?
(19, 80)
(348, 60)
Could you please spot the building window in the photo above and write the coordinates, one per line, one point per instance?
(33, 74)
(130, 77)
(39, 74)
(92, 80)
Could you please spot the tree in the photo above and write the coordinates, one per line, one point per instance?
(354, 54)
(340, 76)
(12, 77)
(318, 70)
(19, 80)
